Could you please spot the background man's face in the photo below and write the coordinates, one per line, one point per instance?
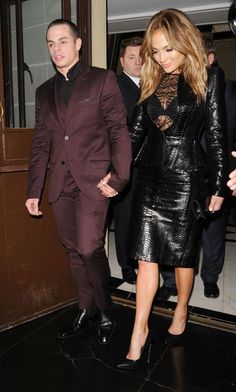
(131, 61)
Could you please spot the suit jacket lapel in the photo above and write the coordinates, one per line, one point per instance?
(130, 83)
(52, 96)
(63, 114)
(78, 90)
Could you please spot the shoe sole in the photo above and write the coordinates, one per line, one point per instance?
(211, 296)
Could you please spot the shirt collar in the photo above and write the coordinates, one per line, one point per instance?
(71, 74)
(134, 78)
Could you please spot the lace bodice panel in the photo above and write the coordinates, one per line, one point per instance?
(164, 107)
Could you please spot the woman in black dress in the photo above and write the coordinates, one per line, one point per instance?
(180, 99)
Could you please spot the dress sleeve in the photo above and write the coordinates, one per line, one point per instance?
(138, 133)
(216, 131)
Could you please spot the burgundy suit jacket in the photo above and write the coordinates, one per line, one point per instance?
(90, 135)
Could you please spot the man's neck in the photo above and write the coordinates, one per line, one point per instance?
(64, 70)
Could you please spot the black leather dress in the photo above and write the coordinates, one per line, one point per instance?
(165, 136)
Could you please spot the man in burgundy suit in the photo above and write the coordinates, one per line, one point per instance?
(81, 131)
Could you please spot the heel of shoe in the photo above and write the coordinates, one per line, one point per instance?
(149, 350)
(148, 345)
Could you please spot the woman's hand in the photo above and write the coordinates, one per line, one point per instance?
(232, 181)
(215, 203)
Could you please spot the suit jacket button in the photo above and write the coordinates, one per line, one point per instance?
(66, 137)
(63, 162)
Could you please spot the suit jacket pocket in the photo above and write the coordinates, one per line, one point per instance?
(87, 102)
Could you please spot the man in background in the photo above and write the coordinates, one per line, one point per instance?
(128, 82)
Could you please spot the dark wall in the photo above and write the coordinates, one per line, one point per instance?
(35, 276)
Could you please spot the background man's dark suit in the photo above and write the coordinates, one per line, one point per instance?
(85, 140)
(130, 94)
(213, 235)
(121, 204)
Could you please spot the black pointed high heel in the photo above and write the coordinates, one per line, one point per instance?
(177, 339)
(132, 364)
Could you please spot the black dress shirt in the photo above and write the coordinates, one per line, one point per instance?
(65, 85)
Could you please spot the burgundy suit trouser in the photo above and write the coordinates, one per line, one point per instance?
(81, 224)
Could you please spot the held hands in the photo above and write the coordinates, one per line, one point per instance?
(106, 190)
(232, 182)
(215, 203)
(32, 206)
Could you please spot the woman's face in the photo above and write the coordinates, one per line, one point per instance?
(167, 57)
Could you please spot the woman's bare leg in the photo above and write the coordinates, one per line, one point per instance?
(184, 283)
(146, 287)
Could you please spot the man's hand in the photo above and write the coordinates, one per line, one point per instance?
(105, 188)
(32, 206)
(215, 203)
(232, 182)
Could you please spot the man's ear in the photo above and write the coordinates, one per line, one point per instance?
(211, 58)
(122, 61)
(78, 43)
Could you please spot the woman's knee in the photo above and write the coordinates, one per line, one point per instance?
(147, 266)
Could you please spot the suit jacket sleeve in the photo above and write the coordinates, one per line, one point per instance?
(40, 150)
(230, 100)
(216, 135)
(115, 117)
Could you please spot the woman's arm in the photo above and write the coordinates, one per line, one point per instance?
(232, 182)
(138, 133)
(216, 135)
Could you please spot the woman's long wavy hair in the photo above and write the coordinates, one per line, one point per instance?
(184, 37)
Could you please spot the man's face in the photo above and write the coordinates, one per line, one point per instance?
(63, 47)
(131, 61)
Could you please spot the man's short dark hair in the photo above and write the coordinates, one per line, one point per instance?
(133, 41)
(73, 28)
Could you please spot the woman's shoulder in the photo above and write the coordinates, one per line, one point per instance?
(216, 80)
(215, 73)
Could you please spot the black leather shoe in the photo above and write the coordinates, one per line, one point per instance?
(106, 327)
(129, 275)
(85, 317)
(166, 292)
(211, 290)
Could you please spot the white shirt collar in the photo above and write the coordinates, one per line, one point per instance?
(134, 78)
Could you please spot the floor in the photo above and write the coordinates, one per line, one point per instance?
(32, 359)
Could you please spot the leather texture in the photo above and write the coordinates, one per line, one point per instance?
(172, 170)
